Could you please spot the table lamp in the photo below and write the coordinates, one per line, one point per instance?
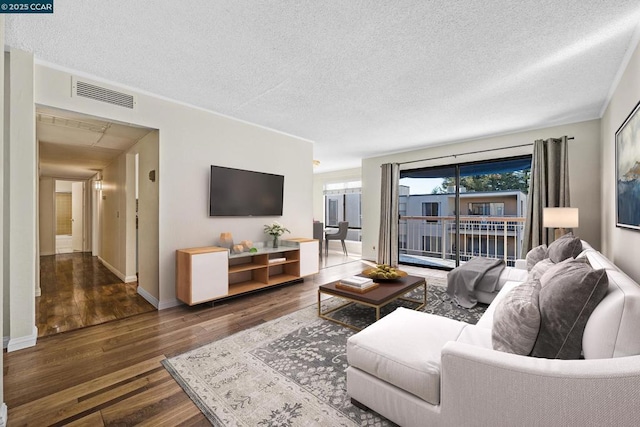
(560, 219)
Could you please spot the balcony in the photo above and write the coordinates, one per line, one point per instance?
(430, 240)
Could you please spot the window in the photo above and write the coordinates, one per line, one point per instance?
(333, 211)
(352, 209)
(429, 209)
(491, 199)
(343, 202)
(402, 208)
(486, 209)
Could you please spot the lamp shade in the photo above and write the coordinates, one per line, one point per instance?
(560, 217)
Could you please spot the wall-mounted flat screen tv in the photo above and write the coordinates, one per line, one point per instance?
(237, 192)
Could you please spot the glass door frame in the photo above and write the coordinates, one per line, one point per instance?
(457, 203)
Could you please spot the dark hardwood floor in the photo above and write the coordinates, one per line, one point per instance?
(78, 291)
(110, 374)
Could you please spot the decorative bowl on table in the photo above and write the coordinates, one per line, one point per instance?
(383, 272)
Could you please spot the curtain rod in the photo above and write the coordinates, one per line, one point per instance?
(569, 138)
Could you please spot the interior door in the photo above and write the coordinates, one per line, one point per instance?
(77, 202)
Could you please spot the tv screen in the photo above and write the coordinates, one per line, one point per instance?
(237, 192)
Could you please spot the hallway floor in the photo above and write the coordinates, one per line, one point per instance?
(337, 258)
(78, 291)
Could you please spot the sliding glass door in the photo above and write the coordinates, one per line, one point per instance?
(427, 208)
(449, 214)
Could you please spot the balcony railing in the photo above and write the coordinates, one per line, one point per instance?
(433, 238)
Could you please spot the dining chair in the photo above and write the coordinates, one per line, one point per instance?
(341, 234)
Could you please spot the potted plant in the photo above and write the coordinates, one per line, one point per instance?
(275, 229)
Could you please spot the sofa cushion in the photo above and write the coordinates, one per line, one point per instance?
(612, 329)
(570, 291)
(516, 321)
(403, 349)
(536, 255)
(566, 246)
(597, 260)
(586, 245)
(477, 336)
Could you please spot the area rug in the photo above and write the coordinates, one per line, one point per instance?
(289, 371)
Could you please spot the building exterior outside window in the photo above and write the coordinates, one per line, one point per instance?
(491, 225)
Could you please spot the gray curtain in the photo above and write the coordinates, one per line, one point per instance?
(388, 239)
(548, 187)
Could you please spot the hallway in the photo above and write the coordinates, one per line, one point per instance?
(78, 291)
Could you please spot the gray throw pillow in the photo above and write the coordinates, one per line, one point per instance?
(569, 293)
(567, 246)
(516, 320)
(540, 268)
(536, 255)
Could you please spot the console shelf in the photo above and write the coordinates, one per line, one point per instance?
(244, 267)
(210, 273)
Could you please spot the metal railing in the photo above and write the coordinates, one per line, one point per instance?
(483, 236)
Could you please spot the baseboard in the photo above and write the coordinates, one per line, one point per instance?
(20, 343)
(150, 298)
(168, 304)
(3, 415)
(48, 253)
(154, 301)
(129, 279)
(5, 342)
(38, 291)
(115, 271)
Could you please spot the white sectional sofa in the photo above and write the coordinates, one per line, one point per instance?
(418, 369)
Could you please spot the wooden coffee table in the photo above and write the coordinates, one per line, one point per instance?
(376, 298)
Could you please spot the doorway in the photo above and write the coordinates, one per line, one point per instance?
(69, 216)
(87, 240)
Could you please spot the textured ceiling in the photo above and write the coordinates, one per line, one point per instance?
(359, 78)
(76, 146)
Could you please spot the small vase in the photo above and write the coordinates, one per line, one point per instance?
(275, 241)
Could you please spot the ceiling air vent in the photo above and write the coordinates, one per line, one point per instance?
(103, 94)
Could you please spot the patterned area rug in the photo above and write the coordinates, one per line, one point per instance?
(289, 371)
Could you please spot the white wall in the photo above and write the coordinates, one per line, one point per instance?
(113, 225)
(148, 227)
(5, 194)
(3, 234)
(63, 186)
(584, 170)
(22, 182)
(190, 141)
(47, 216)
(619, 244)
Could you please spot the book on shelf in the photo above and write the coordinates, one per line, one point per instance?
(357, 281)
(276, 260)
